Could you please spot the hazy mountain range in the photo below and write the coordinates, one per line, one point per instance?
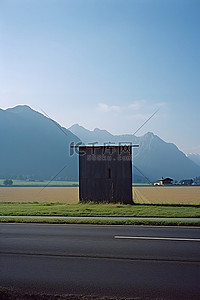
(194, 157)
(154, 157)
(36, 147)
(33, 146)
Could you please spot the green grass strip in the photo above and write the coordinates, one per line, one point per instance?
(97, 210)
(99, 221)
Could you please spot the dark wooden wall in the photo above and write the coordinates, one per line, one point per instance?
(105, 174)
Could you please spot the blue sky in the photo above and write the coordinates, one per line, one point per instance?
(105, 63)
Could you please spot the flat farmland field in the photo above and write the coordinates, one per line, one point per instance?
(36, 194)
(142, 195)
(167, 195)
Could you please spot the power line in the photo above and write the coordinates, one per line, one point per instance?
(53, 178)
(54, 122)
(146, 121)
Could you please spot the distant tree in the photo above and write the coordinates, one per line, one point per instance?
(8, 182)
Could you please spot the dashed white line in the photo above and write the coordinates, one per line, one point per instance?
(156, 238)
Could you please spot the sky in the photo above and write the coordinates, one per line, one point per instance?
(108, 64)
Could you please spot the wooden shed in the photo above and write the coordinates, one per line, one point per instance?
(105, 174)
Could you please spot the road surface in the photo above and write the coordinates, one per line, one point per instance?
(121, 261)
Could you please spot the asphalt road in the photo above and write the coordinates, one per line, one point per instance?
(121, 261)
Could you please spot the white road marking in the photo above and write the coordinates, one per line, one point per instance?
(155, 238)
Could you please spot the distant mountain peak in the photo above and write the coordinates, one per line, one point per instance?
(76, 126)
(97, 130)
(154, 157)
(149, 134)
(25, 112)
(79, 127)
(20, 108)
(33, 146)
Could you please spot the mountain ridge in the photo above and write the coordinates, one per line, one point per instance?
(195, 157)
(34, 146)
(154, 157)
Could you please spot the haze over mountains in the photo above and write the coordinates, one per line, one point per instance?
(33, 146)
(194, 157)
(154, 157)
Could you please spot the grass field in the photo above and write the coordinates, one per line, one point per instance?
(143, 195)
(24, 183)
(63, 201)
(100, 221)
(96, 210)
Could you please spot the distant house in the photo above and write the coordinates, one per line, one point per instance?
(186, 182)
(164, 181)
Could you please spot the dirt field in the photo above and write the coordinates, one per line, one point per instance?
(172, 195)
(34, 194)
(167, 194)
